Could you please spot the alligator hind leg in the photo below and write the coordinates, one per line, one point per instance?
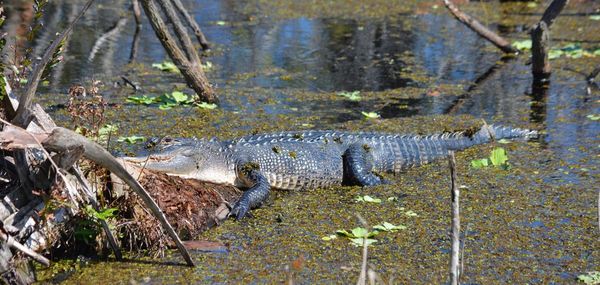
(358, 166)
(254, 196)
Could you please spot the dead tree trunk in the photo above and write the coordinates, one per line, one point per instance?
(540, 41)
(187, 59)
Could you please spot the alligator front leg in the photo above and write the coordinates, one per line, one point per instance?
(254, 196)
(358, 166)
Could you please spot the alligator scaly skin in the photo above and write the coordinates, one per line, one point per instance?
(311, 159)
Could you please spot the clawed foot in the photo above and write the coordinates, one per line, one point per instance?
(240, 210)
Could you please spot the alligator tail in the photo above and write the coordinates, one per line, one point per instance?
(487, 133)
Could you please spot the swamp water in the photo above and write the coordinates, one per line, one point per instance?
(281, 66)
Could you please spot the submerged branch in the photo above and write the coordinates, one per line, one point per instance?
(109, 35)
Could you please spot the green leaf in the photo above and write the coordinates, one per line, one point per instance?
(360, 241)
(368, 199)
(522, 45)
(389, 227)
(360, 232)
(131, 139)
(370, 115)
(555, 53)
(166, 66)
(591, 278)
(179, 97)
(479, 163)
(352, 96)
(167, 105)
(344, 233)
(595, 17)
(107, 129)
(205, 105)
(145, 100)
(498, 157)
(593, 117)
(329, 237)
(207, 66)
(221, 23)
(410, 213)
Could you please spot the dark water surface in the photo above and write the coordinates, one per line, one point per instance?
(279, 66)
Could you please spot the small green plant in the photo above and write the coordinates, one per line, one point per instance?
(571, 50)
(143, 100)
(591, 278)
(131, 139)
(359, 235)
(593, 117)
(105, 132)
(367, 199)
(168, 101)
(370, 115)
(352, 96)
(88, 229)
(522, 45)
(205, 105)
(101, 215)
(389, 227)
(166, 66)
(497, 158)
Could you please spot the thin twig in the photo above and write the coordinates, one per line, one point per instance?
(454, 261)
(362, 278)
(11, 242)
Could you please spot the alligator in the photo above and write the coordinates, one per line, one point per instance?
(298, 160)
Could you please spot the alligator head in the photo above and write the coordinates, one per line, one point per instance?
(204, 160)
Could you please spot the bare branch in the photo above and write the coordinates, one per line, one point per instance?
(10, 241)
(191, 71)
(181, 32)
(193, 24)
(454, 261)
(480, 29)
